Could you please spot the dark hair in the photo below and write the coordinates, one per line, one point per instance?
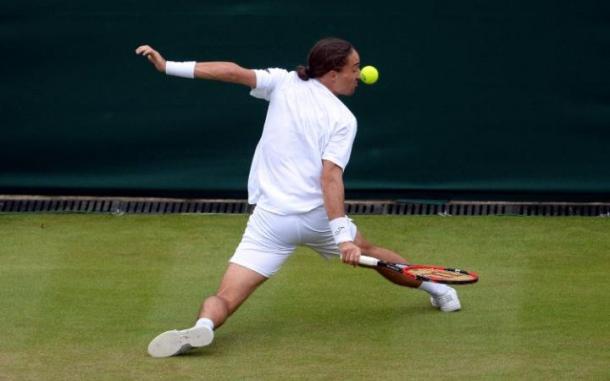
(326, 55)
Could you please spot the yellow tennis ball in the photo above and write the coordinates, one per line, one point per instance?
(369, 75)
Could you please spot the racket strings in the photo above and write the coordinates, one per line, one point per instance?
(440, 274)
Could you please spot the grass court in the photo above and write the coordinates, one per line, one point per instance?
(82, 295)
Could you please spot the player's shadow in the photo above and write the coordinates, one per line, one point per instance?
(339, 321)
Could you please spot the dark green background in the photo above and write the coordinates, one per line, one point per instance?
(476, 98)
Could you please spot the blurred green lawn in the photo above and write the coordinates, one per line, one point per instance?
(82, 295)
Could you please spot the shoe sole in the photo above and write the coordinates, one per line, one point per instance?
(175, 342)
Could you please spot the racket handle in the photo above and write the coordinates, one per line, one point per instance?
(368, 261)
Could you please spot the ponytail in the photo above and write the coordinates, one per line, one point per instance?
(303, 72)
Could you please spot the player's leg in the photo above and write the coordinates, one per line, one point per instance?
(236, 286)
(441, 296)
(263, 249)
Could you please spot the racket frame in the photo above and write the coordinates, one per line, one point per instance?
(403, 269)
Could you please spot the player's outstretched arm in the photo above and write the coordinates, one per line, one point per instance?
(218, 71)
(225, 72)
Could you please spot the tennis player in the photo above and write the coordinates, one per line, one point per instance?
(296, 181)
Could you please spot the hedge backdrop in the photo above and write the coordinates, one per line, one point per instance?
(475, 98)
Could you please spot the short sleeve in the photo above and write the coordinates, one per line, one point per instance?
(266, 81)
(339, 148)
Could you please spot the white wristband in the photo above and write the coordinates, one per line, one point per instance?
(180, 69)
(341, 229)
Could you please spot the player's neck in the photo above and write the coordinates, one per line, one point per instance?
(329, 82)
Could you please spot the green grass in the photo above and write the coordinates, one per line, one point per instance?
(82, 295)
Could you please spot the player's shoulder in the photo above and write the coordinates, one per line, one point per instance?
(277, 73)
(334, 104)
(267, 81)
(342, 112)
(350, 118)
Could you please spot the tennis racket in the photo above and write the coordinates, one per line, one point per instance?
(429, 273)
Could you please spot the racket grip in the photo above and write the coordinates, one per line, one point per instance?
(368, 261)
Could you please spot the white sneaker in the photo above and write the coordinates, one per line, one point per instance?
(176, 342)
(448, 302)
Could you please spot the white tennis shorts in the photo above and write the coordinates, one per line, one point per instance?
(270, 239)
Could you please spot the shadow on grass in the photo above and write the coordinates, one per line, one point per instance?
(314, 328)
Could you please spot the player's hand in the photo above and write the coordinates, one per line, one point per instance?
(350, 253)
(153, 56)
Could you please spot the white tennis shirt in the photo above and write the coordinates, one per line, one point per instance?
(305, 124)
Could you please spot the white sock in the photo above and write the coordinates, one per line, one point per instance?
(434, 289)
(205, 322)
